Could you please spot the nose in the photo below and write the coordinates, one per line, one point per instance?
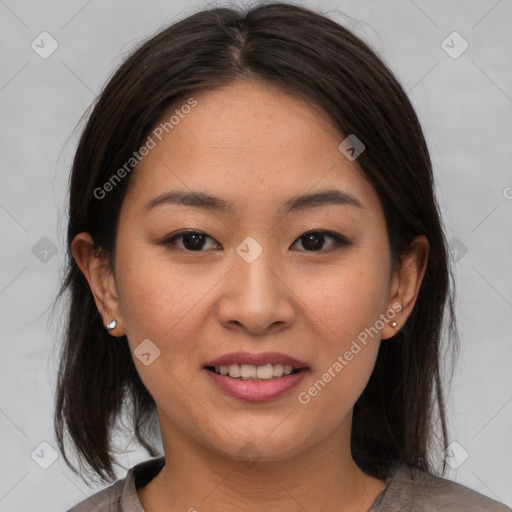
(256, 297)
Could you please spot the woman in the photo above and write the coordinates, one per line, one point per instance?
(257, 267)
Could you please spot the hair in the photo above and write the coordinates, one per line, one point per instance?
(400, 416)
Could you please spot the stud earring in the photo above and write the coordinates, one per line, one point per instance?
(394, 325)
(111, 326)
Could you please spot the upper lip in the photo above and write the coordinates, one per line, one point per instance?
(260, 359)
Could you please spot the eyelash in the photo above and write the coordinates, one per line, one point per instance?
(339, 240)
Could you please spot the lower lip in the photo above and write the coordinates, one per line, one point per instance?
(254, 390)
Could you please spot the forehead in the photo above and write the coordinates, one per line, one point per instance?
(250, 143)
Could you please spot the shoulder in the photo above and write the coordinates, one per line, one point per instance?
(410, 489)
(106, 500)
(122, 496)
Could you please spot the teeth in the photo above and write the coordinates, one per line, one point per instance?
(234, 370)
(247, 371)
(252, 372)
(278, 370)
(265, 372)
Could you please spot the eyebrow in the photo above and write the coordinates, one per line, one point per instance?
(296, 203)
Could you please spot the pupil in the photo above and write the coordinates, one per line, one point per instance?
(193, 241)
(314, 241)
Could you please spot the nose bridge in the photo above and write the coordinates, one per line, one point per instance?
(255, 268)
(256, 296)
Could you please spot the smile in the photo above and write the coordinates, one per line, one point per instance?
(255, 377)
(253, 372)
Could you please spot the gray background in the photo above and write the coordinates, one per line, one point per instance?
(465, 105)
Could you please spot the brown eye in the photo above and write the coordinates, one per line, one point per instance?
(192, 241)
(314, 241)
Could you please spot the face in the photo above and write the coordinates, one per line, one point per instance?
(287, 283)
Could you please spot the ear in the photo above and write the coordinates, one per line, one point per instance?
(405, 285)
(97, 271)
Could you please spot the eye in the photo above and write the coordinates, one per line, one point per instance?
(193, 241)
(314, 240)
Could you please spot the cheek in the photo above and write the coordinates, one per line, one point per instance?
(346, 310)
(155, 298)
(167, 307)
(346, 300)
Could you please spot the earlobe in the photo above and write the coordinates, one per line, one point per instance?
(97, 271)
(406, 285)
(394, 318)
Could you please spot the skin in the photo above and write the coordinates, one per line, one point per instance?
(255, 146)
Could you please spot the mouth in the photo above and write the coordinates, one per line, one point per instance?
(256, 377)
(250, 372)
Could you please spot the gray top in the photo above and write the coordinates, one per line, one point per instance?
(407, 490)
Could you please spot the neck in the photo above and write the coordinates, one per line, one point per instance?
(322, 477)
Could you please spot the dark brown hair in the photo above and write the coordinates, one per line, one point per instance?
(401, 411)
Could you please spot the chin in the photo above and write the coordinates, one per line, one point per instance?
(262, 446)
